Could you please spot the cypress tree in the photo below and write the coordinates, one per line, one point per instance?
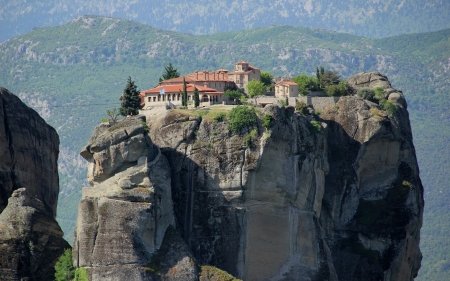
(131, 102)
(318, 76)
(184, 94)
(196, 97)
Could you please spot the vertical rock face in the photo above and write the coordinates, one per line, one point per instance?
(30, 238)
(339, 198)
(123, 217)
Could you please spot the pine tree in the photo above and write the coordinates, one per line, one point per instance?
(64, 270)
(196, 97)
(169, 73)
(131, 102)
(318, 76)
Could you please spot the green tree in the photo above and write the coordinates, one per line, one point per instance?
(169, 73)
(255, 88)
(340, 89)
(266, 78)
(241, 117)
(233, 95)
(64, 270)
(306, 83)
(196, 97)
(184, 94)
(112, 114)
(329, 77)
(131, 102)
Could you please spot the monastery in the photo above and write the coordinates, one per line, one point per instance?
(211, 86)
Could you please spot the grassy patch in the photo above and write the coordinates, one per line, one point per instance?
(211, 273)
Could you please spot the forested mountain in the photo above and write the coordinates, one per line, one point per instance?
(371, 18)
(72, 73)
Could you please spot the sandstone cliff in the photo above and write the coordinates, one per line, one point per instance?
(30, 238)
(338, 198)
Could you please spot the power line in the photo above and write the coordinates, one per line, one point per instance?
(69, 105)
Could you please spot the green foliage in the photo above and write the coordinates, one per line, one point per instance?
(388, 106)
(379, 93)
(338, 90)
(315, 127)
(81, 274)
(306, 83)
(266, 78)
(283, 102)
(301, 107)
(255, 88)
(234, 95)
(242, 117)
(131, 102)
(250, 138)
(196, 97)
(105, 120)
(267, 121)
(146, 128)
(208, 272)
(169, 73)
(64, 269)
(220, 117)
(113, 114)
(184, 100)
(366, 93)
(329, 77)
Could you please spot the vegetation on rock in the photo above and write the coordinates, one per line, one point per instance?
(64, 269)
(242, 117)
(131, 102)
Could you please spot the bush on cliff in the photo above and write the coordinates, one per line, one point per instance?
(338, 90)
(242, 117)
(64, 269)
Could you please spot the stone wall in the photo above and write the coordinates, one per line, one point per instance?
(318, 103)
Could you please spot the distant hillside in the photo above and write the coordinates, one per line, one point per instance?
(370, 18)
(72, 73)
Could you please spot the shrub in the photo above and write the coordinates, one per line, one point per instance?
(315, 127)
(306, 83)
(241, 117)
(282, 102)
(250, 138)
(301, 107)
(81, 274)
(338, 90)
(220, 117)
(388, 106)
(366, 93)
(379, 93)
(267, 121)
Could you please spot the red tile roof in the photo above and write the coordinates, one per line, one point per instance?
(176, 88)
(288, 83)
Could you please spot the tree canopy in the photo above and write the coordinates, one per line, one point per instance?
(255, 88)
(169, 73)
(131, 102)
(329, 77)
(234, 95)
(64, 269)
(306, 83)
(266, 78)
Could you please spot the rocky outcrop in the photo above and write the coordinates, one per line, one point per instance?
(330, 197)
(123, 218)
(30, 238)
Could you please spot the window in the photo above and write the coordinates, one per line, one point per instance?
(149, 99)
(154, 99)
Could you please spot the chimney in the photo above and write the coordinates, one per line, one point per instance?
(196, 75)
(214, 75)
